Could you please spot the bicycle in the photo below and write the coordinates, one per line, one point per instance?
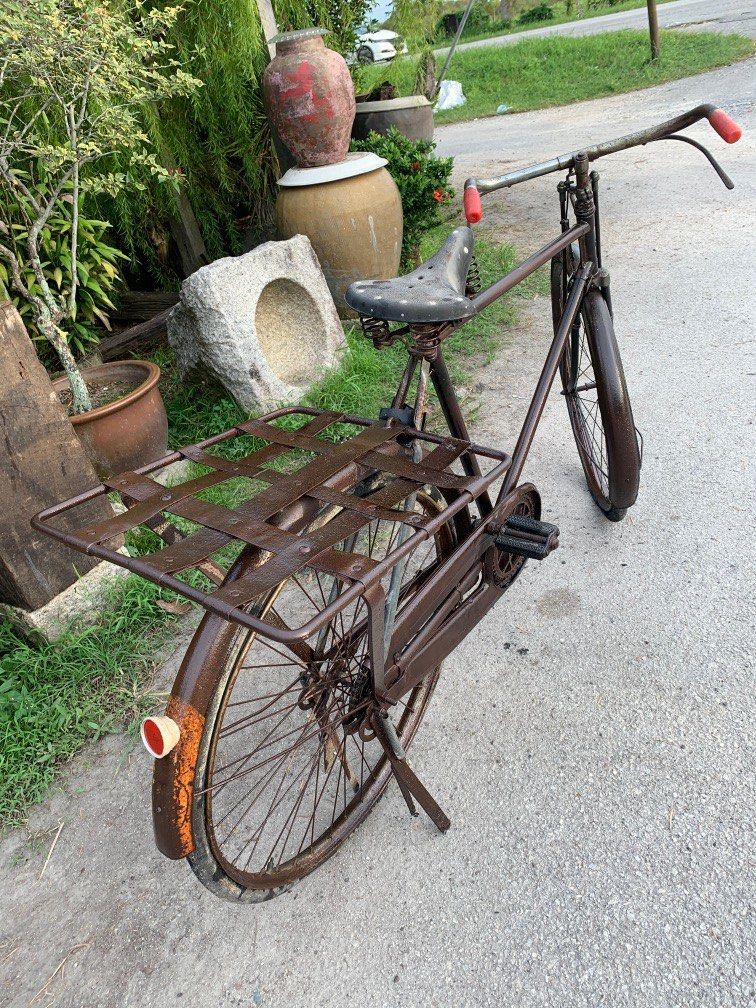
(368, 551)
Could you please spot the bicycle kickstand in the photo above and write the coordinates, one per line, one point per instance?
(409, 783)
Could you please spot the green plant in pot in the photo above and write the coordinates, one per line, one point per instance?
(94, 259)
(75, 77)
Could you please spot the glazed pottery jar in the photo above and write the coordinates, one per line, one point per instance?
(352, 214)
(310, 98)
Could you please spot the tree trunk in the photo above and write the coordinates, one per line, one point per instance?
(81, 401)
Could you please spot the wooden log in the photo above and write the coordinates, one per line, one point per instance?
(140, 306)
(153, 329)
(186, 233)
(41, 463)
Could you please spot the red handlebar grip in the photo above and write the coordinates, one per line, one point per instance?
(727, 128)
(473, 206)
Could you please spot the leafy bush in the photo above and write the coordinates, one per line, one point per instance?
(479, 22)
(422, 180)
(536, 14)
(98, 276)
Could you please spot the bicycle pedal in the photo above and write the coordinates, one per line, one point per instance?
(527, 537)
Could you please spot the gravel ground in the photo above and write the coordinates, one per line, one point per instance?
(592, 740)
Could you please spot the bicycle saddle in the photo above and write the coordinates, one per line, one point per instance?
(434, 292)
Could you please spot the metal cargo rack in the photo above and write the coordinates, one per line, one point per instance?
(330, 476)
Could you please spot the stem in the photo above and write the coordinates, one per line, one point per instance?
(55, 337)
(74, 213)
(47, 315)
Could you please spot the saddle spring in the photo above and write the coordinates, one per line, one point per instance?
(473, 283)
(378, 331)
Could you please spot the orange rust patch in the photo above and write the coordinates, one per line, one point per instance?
(173, 783)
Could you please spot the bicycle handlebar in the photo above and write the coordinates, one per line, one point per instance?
(720, 121)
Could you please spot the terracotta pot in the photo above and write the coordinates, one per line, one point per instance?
(129, 432)
(412, 116)
(310, 98)
(355, 224)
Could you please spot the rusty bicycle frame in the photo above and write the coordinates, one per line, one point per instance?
(277, 524)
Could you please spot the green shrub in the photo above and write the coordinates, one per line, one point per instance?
(97, 271)
(478, 20)
(536, 14)
(422, 180)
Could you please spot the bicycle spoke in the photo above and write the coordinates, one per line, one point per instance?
(289, 765)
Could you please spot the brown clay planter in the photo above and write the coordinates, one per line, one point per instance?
(129, 432)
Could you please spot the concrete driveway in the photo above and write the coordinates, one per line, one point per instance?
(592, 740)
(699, 15)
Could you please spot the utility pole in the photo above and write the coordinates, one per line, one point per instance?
(653, 27)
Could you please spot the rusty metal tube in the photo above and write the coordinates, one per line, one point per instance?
(537, 403)
(530, 265)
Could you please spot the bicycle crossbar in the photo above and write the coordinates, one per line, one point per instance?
(530, 265)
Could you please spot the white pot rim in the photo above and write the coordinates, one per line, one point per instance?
(391, 104)
(357, 163)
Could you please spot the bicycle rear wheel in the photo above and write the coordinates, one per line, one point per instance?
(598, 404)
(287, 766)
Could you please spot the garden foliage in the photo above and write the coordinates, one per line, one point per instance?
(74, 78)
(219, 137)
(422, 180)
(96, 263)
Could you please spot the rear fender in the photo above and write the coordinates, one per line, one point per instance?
(192, 694)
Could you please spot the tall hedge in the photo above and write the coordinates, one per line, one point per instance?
(219, 140)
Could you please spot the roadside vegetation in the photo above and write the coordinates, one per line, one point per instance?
(100, 678)
(535, 14)
(541, 73)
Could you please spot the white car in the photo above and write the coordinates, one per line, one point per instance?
(379, 47)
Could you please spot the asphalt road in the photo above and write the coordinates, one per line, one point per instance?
(592, 740)
(702, 15)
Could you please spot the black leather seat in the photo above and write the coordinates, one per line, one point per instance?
(434, 292)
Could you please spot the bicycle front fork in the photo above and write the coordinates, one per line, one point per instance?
(584, 197)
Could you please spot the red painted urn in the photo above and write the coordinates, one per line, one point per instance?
(310, 98)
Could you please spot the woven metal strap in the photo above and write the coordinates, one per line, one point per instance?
(320, 542)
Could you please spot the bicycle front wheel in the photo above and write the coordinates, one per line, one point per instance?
(598, 403)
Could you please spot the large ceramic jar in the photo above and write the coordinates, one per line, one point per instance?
(412, 116)
(352, 214)
(310, 98)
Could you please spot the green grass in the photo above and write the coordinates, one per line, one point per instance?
(97, 679)
(542, 72)
(55, 697)
(560, 17)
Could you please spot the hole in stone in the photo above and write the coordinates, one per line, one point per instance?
(290, 329)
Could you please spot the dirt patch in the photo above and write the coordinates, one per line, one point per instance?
(101, 393)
